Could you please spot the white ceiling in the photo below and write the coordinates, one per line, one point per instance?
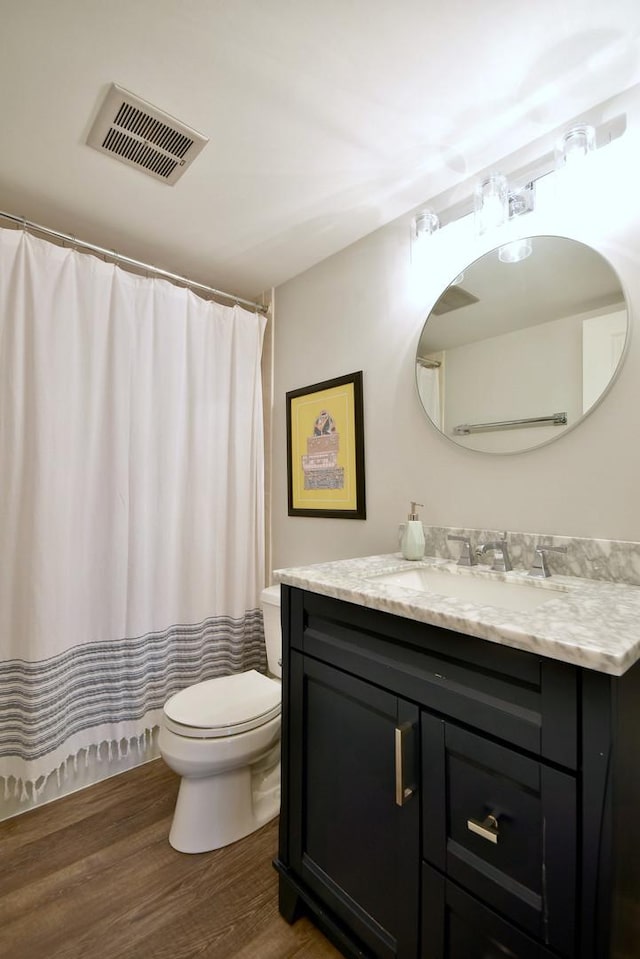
(561, 278)
(326, 118)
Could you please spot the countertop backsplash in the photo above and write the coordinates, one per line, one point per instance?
(601, 559)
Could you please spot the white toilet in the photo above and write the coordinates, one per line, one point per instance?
(223, 737)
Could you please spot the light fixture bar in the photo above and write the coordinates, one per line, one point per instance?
(532, 171)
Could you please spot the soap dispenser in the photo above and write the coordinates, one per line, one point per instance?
(413, 536)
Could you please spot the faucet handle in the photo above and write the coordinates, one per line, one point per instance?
(539, 568)
(467, 557)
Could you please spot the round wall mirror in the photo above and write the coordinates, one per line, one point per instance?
(522, 345)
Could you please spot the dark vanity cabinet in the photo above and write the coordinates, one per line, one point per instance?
(350, 842)
(444, 797)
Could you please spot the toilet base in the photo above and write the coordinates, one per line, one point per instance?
(214, 811)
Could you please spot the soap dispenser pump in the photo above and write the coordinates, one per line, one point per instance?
(413, 536)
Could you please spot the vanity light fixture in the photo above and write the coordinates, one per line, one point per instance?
(522, 201)
(576, 144)
(495, 203)
(491, 203)
(425, 223)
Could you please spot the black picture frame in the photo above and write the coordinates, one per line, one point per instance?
(325, 449)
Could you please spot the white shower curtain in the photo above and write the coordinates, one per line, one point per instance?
(131, 512)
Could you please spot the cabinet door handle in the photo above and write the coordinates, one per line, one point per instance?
(402, 792)
(487, 829)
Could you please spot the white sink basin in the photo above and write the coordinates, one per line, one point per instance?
(479, 588)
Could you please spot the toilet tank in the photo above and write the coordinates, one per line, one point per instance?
(270, 602)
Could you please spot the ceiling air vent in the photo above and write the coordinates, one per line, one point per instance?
(454, 298)
(144, 137)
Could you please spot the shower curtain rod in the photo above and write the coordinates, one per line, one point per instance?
(119, 258)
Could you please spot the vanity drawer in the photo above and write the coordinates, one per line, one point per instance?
(512, 695)
(503, 826)
(457, 926)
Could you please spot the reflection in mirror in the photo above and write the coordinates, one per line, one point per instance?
(513, 354)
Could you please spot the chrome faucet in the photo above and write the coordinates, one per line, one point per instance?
(539, 567)
(501, 558)
(467, 558)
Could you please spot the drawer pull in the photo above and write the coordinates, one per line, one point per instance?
(487, 829)
(402, 792)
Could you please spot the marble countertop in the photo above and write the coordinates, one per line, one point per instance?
(589, 623)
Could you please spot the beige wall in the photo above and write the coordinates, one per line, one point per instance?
(363, 309)
(534, 371)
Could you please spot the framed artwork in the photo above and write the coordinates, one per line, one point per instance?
(325, 449)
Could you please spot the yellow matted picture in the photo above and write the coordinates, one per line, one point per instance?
(325, 449)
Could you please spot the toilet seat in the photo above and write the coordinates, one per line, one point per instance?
(224, 706)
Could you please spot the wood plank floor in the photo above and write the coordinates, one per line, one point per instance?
(93, 875)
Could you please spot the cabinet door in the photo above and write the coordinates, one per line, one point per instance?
(457, 926)
(502, 825)
(354, 809)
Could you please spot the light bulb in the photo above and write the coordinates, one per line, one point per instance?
(515, 251)
(425, 223)
(576, 144)
(491, 201)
